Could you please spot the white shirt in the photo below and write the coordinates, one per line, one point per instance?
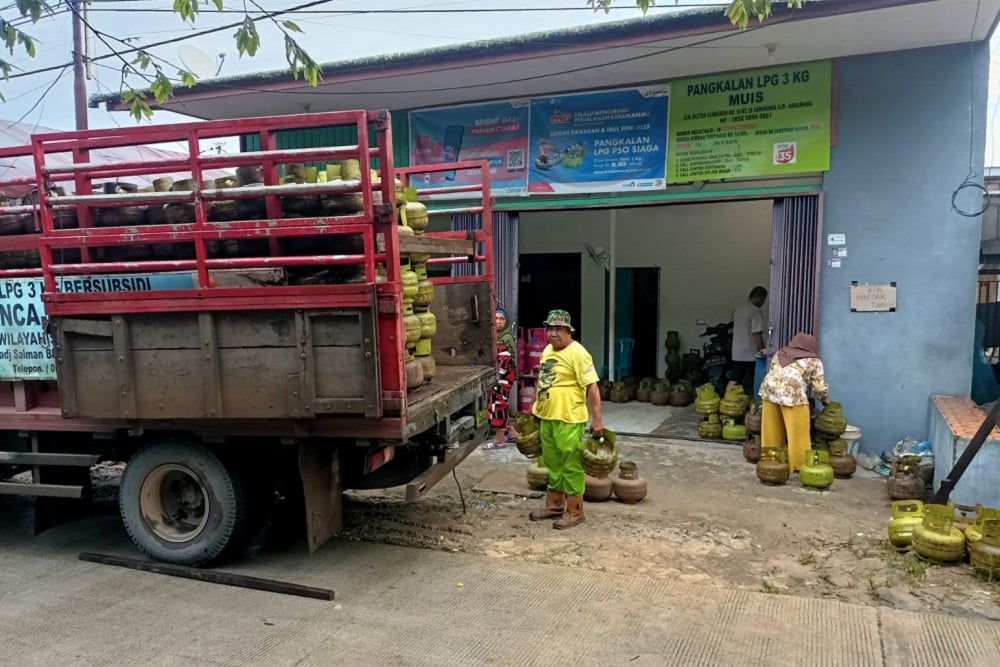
(747, 320)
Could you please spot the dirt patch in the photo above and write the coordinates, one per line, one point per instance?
(707, 519)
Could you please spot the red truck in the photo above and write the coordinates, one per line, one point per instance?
(227, 338)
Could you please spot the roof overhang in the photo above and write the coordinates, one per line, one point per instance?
(650, 49)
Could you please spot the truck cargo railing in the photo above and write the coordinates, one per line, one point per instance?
(205, 228)
(20, 225)
(481, 237)
(318, 262)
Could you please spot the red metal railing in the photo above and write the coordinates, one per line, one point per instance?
(480, 193)
(192, 237)
(87, 243)
(15, 248)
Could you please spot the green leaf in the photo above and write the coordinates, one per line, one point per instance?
(301, 63)
(143, 60)
(29, 45)
(10, 37)
(32, 8)
(161, 88)
(137, 106)
(5, 69)
(187, 78)
(219, 4)
(247, 39)
(187, 9)
(291, 25)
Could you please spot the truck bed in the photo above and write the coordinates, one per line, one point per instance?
(452, 387)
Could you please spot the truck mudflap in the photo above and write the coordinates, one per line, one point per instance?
(447, 462)
(320, 467)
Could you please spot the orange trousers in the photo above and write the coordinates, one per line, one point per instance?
(781, 422)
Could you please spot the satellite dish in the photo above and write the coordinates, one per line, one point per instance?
(196, 61)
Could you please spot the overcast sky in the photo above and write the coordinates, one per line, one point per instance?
(332, 34)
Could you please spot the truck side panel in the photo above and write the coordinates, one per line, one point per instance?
(266, 364)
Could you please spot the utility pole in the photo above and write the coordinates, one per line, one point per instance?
(79, 72)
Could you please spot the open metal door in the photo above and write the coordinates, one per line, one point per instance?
(795, 252)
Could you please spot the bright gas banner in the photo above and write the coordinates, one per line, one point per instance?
(755, 123)
(495, 132)
(611, 141)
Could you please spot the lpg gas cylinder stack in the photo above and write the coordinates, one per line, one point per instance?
(418, 295)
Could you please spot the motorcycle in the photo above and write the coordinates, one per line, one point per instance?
(717, 353)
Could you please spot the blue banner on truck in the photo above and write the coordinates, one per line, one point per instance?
(613, 141)
(25, 349)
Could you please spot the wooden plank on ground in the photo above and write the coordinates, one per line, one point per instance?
(212, 576)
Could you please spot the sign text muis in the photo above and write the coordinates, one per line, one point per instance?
(773, 121)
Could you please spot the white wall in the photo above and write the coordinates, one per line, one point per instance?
(709, 255)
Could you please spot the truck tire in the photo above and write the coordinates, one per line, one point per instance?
(181, 504)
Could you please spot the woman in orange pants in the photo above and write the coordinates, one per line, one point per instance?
(796, 371)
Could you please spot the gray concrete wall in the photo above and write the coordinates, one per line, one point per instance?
(903, 145)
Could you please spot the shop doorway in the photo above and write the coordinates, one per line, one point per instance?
(637, 318)
(547, 281)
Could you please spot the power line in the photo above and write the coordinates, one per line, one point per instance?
(39, 100)
(470, 10)
(200, 33)
(575, 70)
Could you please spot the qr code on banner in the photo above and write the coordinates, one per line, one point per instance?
(515, 159)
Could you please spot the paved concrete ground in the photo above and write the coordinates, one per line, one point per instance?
(400, 606)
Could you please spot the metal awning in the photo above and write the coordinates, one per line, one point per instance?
(648, 49)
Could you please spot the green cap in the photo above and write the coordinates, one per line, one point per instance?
(558, 318)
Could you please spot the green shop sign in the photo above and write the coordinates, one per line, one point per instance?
(755, 123)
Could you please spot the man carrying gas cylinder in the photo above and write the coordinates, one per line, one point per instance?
(567, 382)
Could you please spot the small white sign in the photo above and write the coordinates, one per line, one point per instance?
(836, 239)
(835, 263)
(840, 252)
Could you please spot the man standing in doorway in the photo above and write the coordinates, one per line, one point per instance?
(567, 382)
(748, 339)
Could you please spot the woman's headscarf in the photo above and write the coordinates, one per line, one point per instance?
(506, 335)
(802, 346)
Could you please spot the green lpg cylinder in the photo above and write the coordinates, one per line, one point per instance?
(816, 473)
(984, 553)
(831, 422)
(936, 538)
(428, 324)
(906, 516)
(734, 431)
(734, 404)
(409, 279)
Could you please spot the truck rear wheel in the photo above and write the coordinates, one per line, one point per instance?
(181, 504)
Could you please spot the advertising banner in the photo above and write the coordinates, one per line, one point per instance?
(613, 141)
(755, 123)
(25, 348)
(495, 132)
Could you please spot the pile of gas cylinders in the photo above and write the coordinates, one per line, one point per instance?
(828, 458)
(949, 533)
(722, 417)
(658, 391)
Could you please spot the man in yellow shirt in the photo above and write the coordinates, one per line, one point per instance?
(567, 382)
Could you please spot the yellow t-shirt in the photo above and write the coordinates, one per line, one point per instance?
(563, 377)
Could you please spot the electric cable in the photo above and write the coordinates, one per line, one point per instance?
(200, 33)
(971, 182)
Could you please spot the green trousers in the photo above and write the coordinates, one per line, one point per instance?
(561, 446)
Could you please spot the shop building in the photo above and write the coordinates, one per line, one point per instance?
(846, 215)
